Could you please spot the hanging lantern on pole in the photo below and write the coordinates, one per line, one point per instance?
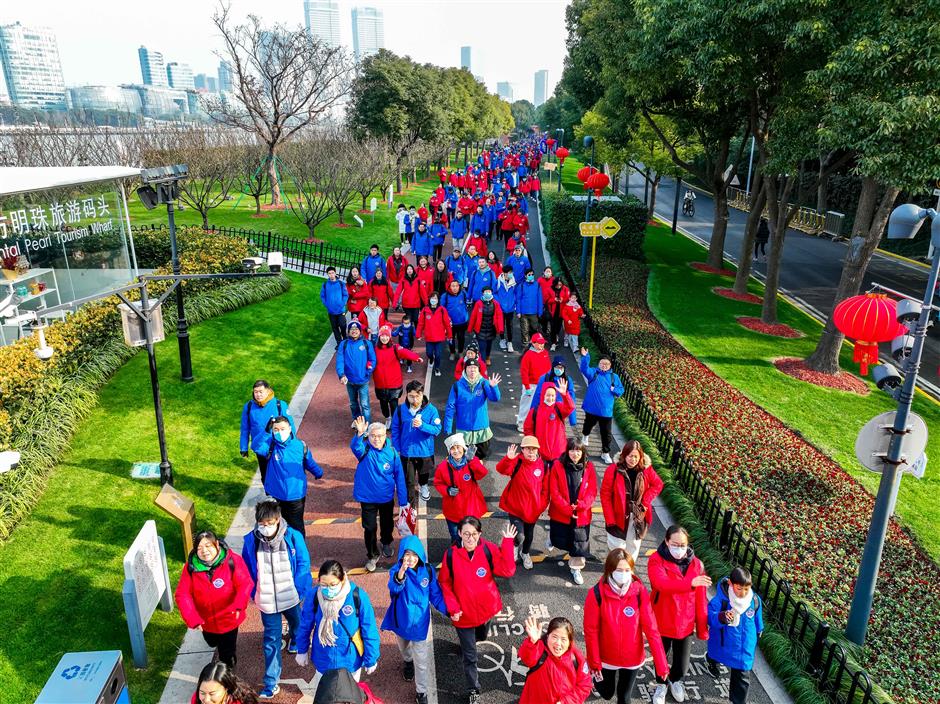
(562, 154)
(585, 172)
(868, 319)
(550, 142)
(598, 182)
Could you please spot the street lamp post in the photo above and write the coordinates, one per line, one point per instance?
(561, 142)
(588, 142)
(904, 223)
(675, 207)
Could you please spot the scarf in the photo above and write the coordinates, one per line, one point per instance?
(620, 591)
(574, 473)
(330, 610)
(634, 488)
(683, 564)
(269, 394)
(199, 566)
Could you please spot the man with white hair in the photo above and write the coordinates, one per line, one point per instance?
(379, 478)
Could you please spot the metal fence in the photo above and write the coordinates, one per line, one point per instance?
(806, 219)
(836, 675)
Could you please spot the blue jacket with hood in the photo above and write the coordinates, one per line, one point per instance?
(529, 299)
(411, 441)
(458, 267)
(342, 654)
(734, 646)
(296, 551)
(371, 264)
(466, 405)
(456, 307)
(288, 461)
(409, 614)
(520, 265)
(379, 474)
(255, 421)
(334, 295)
(599, 397)
(505, 295)
(355, 359)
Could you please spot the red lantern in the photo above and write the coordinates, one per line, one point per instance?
(584, 173)
(598, 182)
(562, 154)
(550, 142)
(868, 319)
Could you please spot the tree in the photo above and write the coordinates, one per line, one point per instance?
(250, 164)
(283, 79)
(343, 163)
(375, 167)
(305, 163)
(523, 114)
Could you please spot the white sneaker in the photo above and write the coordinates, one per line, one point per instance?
(677, 689)
(371, 565)
(553, 347)
(527, 561)
(425, 493)
(585, 440)
(509, 347)
(577, 578)
(502, 345)
(519, 427)
(659, 696)
(606, 458)
(548, 545)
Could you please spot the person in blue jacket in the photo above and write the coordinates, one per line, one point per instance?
(415, 424)
(333, 295)
(458, 228)
(735, 622)
(277, 560)
(371, 263)
(421, 241)
(529, 306)
(258, 416)
(481, 277)
(457, 266)
(558, 371)
(519, 262)
(438, 234)
(337, 627)
(288, 461)
(466, 410)
(604, 387)
(413, 588)
(479, 224)
(355, 362)
(505, 293)
(454, 301)
(379, 478)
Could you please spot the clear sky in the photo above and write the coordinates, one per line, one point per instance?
(98, 41)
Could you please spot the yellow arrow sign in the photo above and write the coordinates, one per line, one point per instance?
(606, 228)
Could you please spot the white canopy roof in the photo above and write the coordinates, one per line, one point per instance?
(16, 179)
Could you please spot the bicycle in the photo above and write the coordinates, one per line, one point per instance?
(688, 208)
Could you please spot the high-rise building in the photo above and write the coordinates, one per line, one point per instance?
(211, 85)
(368, 26)
(152, 69)
(199, 81)
(504, 90)
(465, 58)
(541, 87)
(105, 98)
(225, 77)
(322, 17)
(179, 76)
(31, 67)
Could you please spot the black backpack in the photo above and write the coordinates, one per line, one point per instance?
(544, 656)
(449, 557)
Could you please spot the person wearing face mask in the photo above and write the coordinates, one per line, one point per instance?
(529, 307)
(213, 593)
(505, 294)
(414, 426)
(604, 387)
(258, 416)
(481, 276)
(414, 589)
(472, 352)
(333, 295)
(558, 371)
(486, 322)
(546, 419)
(679, 588)
(455, 302)
(535, 363)
(218, 684)
(435, 327)
(525, 495)
(410, 294)
(421, 241)
(288, 461)
(627, 493)
(277, 560)
(572, 489)
(617, 617)
(466, 411)
(558, 671)
(357, 289)
(387, 377)
(478, 242)
(555, 300)
(457, 480)
(337, 627)
(355, 363)
(735, 622)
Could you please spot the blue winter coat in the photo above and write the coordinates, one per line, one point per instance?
(409, 614)
(355, 359)
(411, 441)
(489, 212)
(343, 653)
(421, 243)
(372, 264)
(466, 406)
(529, 298)
(572, 419)
(478, 280)
(410, 221)
(254, 421)
(379, 474)
(599, 397)
(299, 560)
(458, 228)
(505, 295)
(520, 265)
(479, 224)
(405, 335)
(456, 307)
(287, 461)
(438, 233)
(458, 267)
(734, 646)
(334, 295)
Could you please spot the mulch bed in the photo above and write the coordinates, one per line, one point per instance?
(258, 215)
(268, 206)
(735, 296)
(843, 381)
(775, 329)
(702, 266)
(340, 224)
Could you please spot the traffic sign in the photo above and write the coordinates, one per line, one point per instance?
(606, 228)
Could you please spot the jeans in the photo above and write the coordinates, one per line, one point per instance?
(225, 643)
(526, 532)
(374, 515)
(681, 652)
(621, 680)
(572, 342)
(468, 638)
(359, 400)
(454, 533)
(338, 326)
(293, 513)
(417, 652)
(485, 347)
(590, 420)
(507, 327)
(434, 350)
(528, 325)
(272, 641)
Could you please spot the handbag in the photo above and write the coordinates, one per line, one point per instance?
(407, 522)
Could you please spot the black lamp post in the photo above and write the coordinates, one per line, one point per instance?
(588, 142)
(559, 143)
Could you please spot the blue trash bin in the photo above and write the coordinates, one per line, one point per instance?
(87, 678)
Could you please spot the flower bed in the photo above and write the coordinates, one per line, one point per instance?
(799, 505)
(735, 296)
(774, 329)
(702, 266)
(843, 381)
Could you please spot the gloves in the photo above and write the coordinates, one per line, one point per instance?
(302, 659)
(452, 491)
(269, 425)
(245, 453)
(370, 669)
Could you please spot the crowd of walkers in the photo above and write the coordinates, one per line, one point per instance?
(466, 301)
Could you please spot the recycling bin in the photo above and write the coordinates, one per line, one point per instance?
(87, 678)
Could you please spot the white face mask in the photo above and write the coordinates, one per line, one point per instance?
(268, 531)
(283, 435)
(678, 553)
(622, 578)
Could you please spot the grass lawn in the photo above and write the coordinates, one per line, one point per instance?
(62, 571)
(829, 419)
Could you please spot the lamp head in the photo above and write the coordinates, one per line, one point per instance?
(905, 221)
(588, 141)
(148, 196)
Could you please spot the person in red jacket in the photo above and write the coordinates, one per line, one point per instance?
(558, 671)
(395, 266)
(534, 364)
(442, 175)
(423, 214)
(213, 593)
(478, 241)
(435, 327)
(556, 298)
(358, 291)
(679, 587)
(571, 314)
(410, 294)
(627, 492)
(486, 322)
(382, 291)
(472, 352)
(387, 374)
(457, 480)
(572, 488)
(547, 417)
(468, 580)
(517, 240)
(218, 684)
(617, 616)
(425, 274)
(525, 495)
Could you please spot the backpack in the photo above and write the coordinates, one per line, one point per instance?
(544, 657)
(450, 468)
(449, 557)
(354, 638)
(597, 595)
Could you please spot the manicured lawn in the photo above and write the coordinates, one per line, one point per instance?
(705, 325)
(62, 571)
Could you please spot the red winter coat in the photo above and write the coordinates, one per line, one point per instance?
(467, 205)
(613, 631)
(434, 325)
(387, 374)
(525, 496)
(364, 321)
(458, 369)
(477, 242)
(571, 317)
(521, 222)
(476, 318)
(472, 587)
(552, 306)
(680, 608)
(548, 423)
(559, 506)
(533, 366)
(358, 297)
(536, 184)
(426, 277)
(566, 679)
(470, 501)
(513, 241)
(525, 187)
(614, 498)
(395, 269)
(545, 285)
(411, 294)
(442, 175)
(507, 221)
(211, 599)
(423, 213)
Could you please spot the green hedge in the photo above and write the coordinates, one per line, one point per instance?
(562, 216)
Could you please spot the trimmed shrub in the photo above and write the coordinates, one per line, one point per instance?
(564, 215)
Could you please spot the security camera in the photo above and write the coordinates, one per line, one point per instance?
(275, 261)
(908, 311)
(901, 347)
(252, 263)
(886, 376)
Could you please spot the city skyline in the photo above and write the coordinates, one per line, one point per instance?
(368, 27)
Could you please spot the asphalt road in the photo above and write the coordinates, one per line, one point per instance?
(811, 265)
